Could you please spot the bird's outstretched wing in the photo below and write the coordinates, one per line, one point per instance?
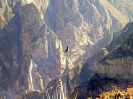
(66, 49)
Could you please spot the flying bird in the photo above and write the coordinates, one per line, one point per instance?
(66, 49)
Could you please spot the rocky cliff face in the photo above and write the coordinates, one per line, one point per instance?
(88, 78)
(106, 69)
(35, 33)
(124, 6)
(119, 62)
(80, 24)
(30, 51)
(106, 45)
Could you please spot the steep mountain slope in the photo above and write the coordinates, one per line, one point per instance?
(124, 6)
(96, 83)
(114, 69)
(119, 62)
(35, 33)
(111, 44)
(25, 41)
(79, 24)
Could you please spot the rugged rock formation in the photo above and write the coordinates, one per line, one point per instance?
(35, 33)
(101, 83)
(119, 62)
(113, 41)
(115, 69)
(81, 22)
(124, 6)
(88, 78)
(31, 53)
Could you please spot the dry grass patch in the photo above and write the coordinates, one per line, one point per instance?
(117, 93)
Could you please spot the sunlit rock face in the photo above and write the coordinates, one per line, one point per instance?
(41, 49)
(34, 35)
(79, 24)
(113, 41)
(125, 6)
(110, 66)
(113, 69)
(31, 53)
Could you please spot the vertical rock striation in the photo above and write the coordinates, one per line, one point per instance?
(35, 33)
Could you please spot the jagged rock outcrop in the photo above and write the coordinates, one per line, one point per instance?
(35, 33)
(119, 62)
(99, 84)
(110, 66)
(31, 53)
(113, 41)
(114, 69)
(81, 22)
(93, 22)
